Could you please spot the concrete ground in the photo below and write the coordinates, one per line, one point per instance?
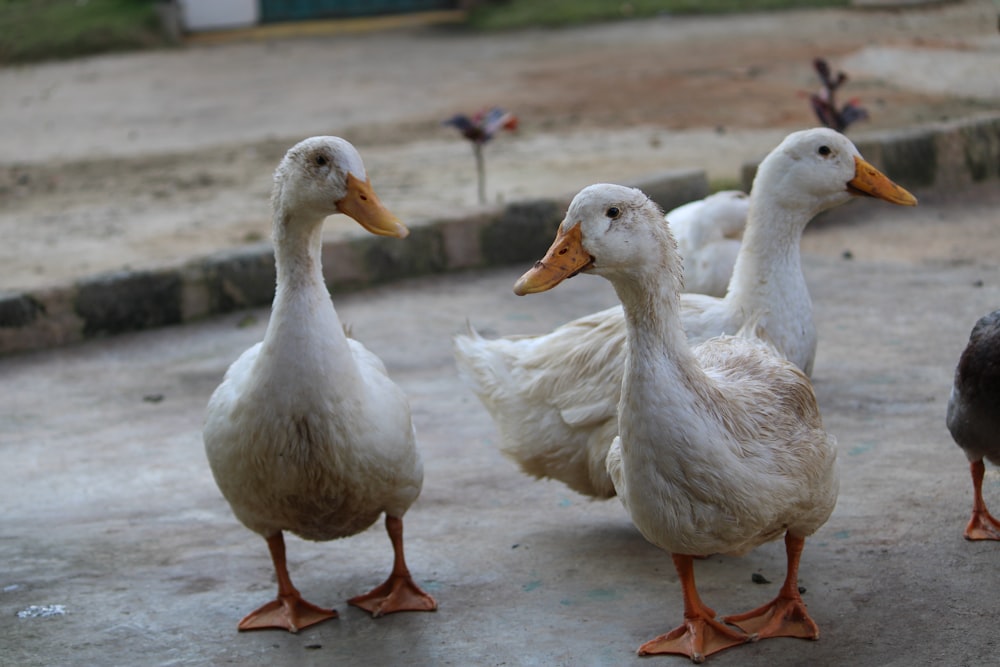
(110, 510)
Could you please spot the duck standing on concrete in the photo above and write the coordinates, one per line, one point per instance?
(973, 416)
(721, 447)
(307, 433)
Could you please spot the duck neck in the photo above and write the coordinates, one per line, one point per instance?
(658, 351)
(298, 244)
(665, 394)
(303, 319)
(768, 267)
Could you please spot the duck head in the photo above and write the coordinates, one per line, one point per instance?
(820, 168)
(607, 229)
(321, 176)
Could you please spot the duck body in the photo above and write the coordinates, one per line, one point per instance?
(310, 455)
(546, 397)
(307, 433)
(720, 447)
(708, 233)
(733, 443)
(554, 397)
(973, 416)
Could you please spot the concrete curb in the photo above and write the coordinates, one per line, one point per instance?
(121, 301)
(940, 156)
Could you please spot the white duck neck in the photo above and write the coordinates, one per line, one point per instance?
(303, 319)
(298, 245)
(769, 265)
(655, 331)
(662, 381)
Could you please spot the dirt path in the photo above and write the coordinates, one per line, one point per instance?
(146, 159)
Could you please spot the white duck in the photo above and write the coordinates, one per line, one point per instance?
(307, 433)
(721, 447)
(973, 416)
(708, 233)
(554, 397)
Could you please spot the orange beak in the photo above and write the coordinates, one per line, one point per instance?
(564, 259)
(869, 181)
(363, 205)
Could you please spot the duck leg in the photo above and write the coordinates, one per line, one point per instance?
(289, 611)
(785, 615)
(398, 592)
(700, 635)
(982, 525)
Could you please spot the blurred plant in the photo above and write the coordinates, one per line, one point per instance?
(824, 103)
(480, 129)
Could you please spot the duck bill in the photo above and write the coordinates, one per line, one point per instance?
(870, 182)
(564, 259)
(363, 205)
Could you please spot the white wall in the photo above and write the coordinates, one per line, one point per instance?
(217, 14)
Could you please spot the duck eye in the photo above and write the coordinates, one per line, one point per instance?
(321, 160)
(613, 212)
(824, 150)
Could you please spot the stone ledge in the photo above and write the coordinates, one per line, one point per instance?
(122, 301)
(946, 155)
(941, 156)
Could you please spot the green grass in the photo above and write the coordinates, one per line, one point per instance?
(513, 14)
(36, 30)
(720, 184)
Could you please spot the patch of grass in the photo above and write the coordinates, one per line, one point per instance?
(720, 184)
(513, 14)
(36, 30)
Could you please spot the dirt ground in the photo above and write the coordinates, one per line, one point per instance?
(148, 159)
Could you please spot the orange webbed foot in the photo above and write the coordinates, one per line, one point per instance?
(398, 593)
(782, 617)
(697, 638)
(982, 526)
(785, 615)
(287, 612)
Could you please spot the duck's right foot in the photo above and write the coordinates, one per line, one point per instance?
(697, 638)
(288, 612)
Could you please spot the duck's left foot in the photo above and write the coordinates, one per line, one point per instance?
(398, 593)
(782, 617)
